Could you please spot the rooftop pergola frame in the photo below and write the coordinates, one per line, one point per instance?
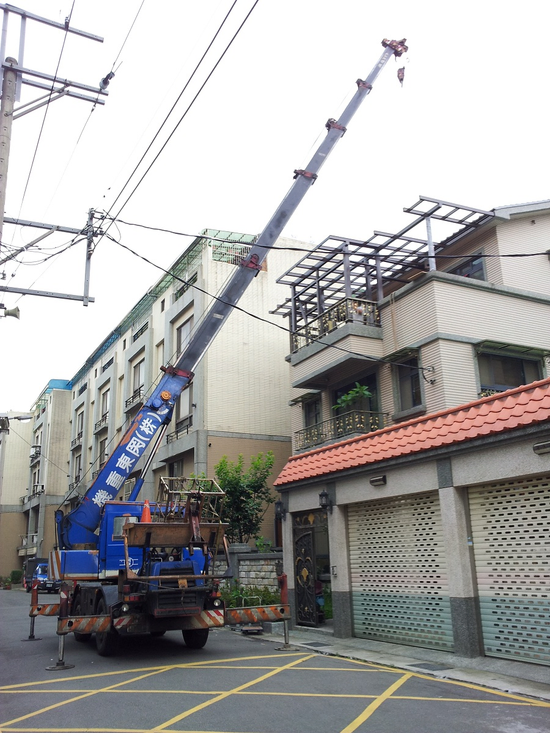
(340, 267)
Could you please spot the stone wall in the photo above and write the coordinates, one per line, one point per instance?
(258, 569)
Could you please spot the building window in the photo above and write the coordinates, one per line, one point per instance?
(498, 373)
(312, 412)
(80, 423)
(102, 451)
(472, 267)
(138, 376)
(408, 378)
(183, 334)
(77, 467)
(105, 402)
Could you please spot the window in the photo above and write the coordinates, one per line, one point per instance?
(499, 372)
(183, 334)
(80, 422)
(138, 375)
(102, 451)
(408, 378)
(312, 412)
(472, 267)
(77, 467)
(105, 402)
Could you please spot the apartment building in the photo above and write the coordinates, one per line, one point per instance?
(33, 476)
(418, 492)
(238, 400)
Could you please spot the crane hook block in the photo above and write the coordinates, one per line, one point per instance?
(398, 47)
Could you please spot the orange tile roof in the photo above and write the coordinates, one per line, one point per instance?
(498, 413)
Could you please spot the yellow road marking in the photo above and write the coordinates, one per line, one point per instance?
(189, 665)
(376, 704)
(80, 697)
(224, 695)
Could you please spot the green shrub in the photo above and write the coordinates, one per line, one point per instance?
(15, 576)
(239, 595)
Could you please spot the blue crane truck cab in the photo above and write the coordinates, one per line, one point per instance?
(152, 569)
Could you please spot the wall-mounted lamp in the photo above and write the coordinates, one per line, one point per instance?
(280, 510)
(542, 447)
(325, 502)
(377, 481)
(194, 404)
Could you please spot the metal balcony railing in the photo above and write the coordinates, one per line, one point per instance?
(347, 310)
(136, 397)
(77, 440)
(102, 423)
(339, 427)
(182, 428)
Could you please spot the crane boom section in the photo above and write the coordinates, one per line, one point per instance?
(79, 526)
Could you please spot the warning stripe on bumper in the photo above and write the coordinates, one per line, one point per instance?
(44, 609)
(256, 614)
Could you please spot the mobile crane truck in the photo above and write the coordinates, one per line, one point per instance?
(132, 568)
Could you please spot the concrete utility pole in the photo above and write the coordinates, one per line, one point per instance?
(14, 75)
(6, 117)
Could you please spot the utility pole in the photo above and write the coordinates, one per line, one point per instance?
(6, 117)
(15, 75)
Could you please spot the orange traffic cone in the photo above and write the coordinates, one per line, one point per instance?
(146, 513)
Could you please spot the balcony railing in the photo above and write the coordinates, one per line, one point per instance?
(76, 441)
(339, 427)
(348, 310)
(182, 428)
(136, 397)
(102, 423)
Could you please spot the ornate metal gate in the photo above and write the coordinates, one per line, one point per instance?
(305, 565)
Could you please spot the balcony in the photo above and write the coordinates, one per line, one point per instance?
(355, 422)
(100, 424)
(347, 310)
(182, 428)
(135, 398)
(28, 544)
(75, 442)
(36, 451)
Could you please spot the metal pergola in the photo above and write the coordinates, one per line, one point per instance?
(340, 267)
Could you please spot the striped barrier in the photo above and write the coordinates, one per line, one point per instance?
(92, 624)
(47, 609)
(256, 614)
(205, 620)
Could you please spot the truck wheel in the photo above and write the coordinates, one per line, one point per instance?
(156, 634)
(28, 588)
(77, 611)
(107, 641)
(196, 638)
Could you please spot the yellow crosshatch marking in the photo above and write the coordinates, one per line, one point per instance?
(267, 666)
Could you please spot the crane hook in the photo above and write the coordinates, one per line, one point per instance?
(401, 74)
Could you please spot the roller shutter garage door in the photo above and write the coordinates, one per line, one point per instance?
(511, 538)
(399, 572)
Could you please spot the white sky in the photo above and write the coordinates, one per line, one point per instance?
(470, 125)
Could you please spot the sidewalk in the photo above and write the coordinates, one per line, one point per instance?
(505, 675)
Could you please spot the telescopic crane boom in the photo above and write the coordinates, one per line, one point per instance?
(77, 529)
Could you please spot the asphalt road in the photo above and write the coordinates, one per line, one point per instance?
(236, 684)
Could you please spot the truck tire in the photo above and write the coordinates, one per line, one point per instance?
(195, 638)
(81, 638)
(107, 641)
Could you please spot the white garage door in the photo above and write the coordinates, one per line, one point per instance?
(511, 536)
(399, 572)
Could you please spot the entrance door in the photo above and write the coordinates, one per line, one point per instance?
(311, 566)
